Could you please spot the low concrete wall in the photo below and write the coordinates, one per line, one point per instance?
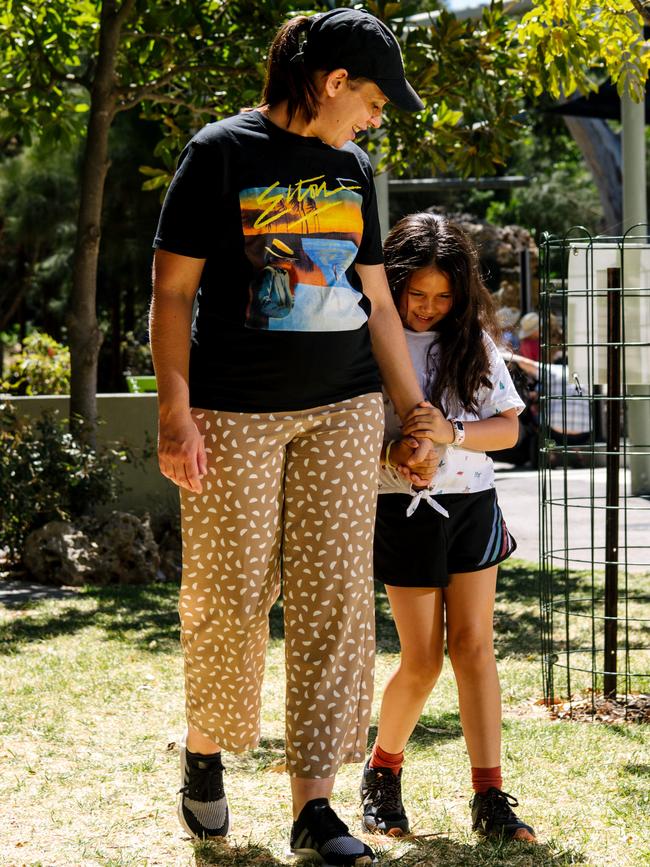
(127, 418)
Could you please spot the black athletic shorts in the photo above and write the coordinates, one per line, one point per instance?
(424, 549)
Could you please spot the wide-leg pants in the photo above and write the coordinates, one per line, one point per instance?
(288, 497)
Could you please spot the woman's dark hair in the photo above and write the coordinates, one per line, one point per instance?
(287, 75)
(427, 240)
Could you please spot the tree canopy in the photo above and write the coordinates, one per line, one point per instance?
(69, 67)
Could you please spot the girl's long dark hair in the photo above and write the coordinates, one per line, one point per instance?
(462, 366)
(286, 74)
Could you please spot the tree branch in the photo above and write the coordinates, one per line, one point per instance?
(125, 105)
(124, 11)
(643, 8)
(132, 94)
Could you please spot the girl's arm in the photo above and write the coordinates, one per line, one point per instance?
(393, 358)
(487, 435)
(181, 453)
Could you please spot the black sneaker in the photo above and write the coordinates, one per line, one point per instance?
(202, 804)
(381, 798)
(492, 816)
(319, 833)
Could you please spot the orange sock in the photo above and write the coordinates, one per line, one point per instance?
(486, 778)
(381, 759)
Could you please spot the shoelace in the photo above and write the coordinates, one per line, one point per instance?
(501, 803)
(384, 792)
(204, 784)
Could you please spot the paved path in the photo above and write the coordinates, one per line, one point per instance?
(519, 498)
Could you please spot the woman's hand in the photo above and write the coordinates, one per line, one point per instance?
(416, 461)
(426, 421)
(181, 452)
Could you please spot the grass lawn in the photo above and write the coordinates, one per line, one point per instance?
(91, 707)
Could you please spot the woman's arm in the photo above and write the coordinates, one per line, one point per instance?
(181, 453)
(388, 341)
(487, 435)
(393, 358)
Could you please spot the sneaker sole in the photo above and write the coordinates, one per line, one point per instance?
(179, 804)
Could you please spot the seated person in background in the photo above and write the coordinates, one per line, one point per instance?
(507, 319)
(529, 336)
(570, 419)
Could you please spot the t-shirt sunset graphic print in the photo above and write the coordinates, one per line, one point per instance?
(301, 240)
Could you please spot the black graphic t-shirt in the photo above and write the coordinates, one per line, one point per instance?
(280, 219)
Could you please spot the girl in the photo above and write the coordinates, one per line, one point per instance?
(437, 549)
(271, 423)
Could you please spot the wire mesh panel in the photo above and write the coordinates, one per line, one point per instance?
(594, 468)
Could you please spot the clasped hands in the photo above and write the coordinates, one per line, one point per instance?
(414, 455)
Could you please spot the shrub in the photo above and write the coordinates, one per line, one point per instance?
(46, 474)
(41, 366)
(136, 355)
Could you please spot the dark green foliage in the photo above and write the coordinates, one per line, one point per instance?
(46, 474)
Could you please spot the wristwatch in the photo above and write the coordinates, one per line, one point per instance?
(459, 431)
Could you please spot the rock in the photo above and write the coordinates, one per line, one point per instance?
(118, 548)
(60, 553)
(128, 550)
(171, 558)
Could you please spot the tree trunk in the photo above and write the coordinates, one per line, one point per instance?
(85, 336)
(601, 149)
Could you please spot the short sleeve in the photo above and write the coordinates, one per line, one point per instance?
(370, 249)
(503, 394)
(188, 219)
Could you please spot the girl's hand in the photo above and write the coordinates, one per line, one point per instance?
(416, 461)
(426, 421)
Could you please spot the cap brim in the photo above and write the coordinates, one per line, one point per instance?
(400, 93)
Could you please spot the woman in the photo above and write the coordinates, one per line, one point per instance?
(272, 424)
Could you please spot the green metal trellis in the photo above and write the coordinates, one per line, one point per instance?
(594, 529)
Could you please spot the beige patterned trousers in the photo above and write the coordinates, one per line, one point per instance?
(288, 497)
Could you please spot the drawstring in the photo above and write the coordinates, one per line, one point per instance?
(424, 494)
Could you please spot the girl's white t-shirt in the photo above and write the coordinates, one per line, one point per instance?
(461, 471)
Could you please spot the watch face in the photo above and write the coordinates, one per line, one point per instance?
(460, 425)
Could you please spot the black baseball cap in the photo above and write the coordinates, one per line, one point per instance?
(355, 40)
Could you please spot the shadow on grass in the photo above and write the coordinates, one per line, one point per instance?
(430, 730)
(636, 770)
(269, 754)
(443, 851)
(225, 855)
(421, 852)
(387, 640)
(144, 615)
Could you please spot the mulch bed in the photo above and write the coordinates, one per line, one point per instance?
(634, 708)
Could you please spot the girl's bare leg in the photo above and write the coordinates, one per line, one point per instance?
(418, 616)
(469, 601)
